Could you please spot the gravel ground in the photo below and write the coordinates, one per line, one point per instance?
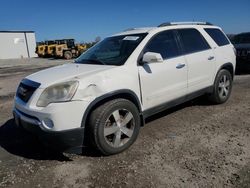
(193, 145)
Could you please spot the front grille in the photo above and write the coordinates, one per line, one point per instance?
(26, 89)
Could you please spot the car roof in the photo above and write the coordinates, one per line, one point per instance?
(164, 26)
(131, 31)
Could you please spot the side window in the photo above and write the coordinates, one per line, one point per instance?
(164, 43)
(192, 41)
(217, 36)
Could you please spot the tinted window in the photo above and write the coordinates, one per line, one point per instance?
(218, 36)
(192, 41)
(165, 44)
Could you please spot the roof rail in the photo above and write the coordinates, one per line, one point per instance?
(184, 23)
(138, 28)
(129, 29)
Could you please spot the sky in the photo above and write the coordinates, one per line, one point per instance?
(85, 20)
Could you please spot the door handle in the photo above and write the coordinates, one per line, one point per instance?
(210, 58)
(180, 65)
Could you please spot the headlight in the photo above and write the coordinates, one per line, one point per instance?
(58, 93)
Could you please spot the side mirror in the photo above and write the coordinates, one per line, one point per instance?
(151, 57)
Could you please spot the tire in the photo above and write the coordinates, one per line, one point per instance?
(67, 55)
(114, 126)
(222, 87)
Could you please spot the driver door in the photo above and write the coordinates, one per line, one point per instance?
(166, 81)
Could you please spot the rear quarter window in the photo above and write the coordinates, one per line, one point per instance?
(219, 38)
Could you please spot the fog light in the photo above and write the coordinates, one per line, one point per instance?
(48, 123)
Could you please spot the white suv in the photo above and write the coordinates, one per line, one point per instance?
(106, 94)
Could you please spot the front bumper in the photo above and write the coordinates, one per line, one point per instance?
(57, 140)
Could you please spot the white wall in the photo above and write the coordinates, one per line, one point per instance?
(31, 40)
(13, 45)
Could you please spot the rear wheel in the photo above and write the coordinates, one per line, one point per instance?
(114, 126)
(222, 87)
(67, 55)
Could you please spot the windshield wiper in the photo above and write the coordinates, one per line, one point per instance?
(91, 61)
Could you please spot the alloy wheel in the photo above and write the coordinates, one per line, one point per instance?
(119, 128)
(224, 86)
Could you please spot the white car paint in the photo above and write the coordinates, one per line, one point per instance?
(161, 82)
(153, 83)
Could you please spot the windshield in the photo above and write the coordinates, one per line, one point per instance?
(242, 39)
(112, 50)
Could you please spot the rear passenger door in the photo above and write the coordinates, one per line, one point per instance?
(200, 59)
(223, 49)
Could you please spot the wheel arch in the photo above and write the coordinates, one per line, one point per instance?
(228, 66)
(124, 93)
(213, 93)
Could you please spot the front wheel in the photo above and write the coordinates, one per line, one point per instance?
(222, 87)
(114, 126)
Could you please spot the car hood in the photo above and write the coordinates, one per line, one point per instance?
(65, 72)
(240, 46)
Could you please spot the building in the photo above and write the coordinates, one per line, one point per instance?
(17, 44)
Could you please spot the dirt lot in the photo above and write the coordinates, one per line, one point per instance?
(192, 145)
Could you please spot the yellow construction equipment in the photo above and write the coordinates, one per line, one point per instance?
(67, 49)
(64, 48)
(42, 47)
(50, 48)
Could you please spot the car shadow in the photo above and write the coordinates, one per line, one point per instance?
(17, 141)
